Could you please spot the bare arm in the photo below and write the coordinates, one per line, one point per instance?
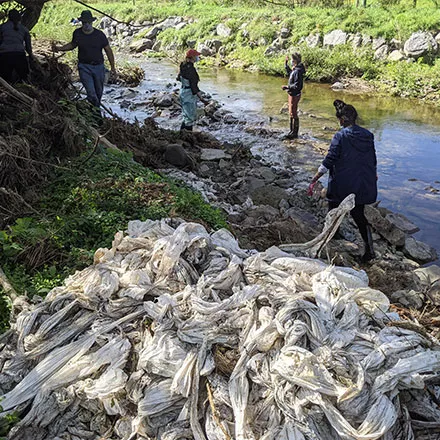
(111, 57)
(65, 48)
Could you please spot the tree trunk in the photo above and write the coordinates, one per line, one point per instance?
(31, 15)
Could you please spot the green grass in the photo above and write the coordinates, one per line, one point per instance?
(81, 210)
(381, 18)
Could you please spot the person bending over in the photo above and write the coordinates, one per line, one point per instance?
(352, 166)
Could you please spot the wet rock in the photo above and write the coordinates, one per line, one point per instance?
(125, 103)
(285, 33)
(335, 38)
(176, 155)
(384, 227)
(223, 31)
(401, 222)
(419, 251)
(229, 119)
(269, 195)
(166, 100)
(411, 299)
(338, 86)
(428, 275)
(141, 45)
(381, 53)
(209, 154)
(313, 40)
(419, 44)
(378, 42)
(396, 55)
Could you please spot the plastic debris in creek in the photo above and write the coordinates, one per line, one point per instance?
(129, 348)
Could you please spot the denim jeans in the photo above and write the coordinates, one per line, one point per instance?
(92, 78)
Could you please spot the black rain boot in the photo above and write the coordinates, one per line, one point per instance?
(290, 135)
(183, 126)
(369, 247)
(295, 128)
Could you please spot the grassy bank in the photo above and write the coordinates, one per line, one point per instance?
(80, 209)
(262, 22)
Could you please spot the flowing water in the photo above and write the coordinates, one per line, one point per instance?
(407, 133)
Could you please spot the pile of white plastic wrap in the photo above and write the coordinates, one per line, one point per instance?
(125, 348)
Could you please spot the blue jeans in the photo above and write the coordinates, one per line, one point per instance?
(92, 78)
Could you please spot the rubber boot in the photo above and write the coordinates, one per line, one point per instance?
(291, 134)
(295, 128)
(183, 126)
(369, 247)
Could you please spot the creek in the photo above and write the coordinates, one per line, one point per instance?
(407, 132)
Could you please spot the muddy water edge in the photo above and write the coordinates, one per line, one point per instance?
(406, 132)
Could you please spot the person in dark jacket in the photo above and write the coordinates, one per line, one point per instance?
(352, 165)
(294, 88)
(90, 43)
(15, 41)
(189, 91)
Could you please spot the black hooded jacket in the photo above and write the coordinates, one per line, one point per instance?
(352, 163)
(296, 79)
(188, 71)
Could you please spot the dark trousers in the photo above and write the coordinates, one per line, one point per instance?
(14, 61)
(358, 216)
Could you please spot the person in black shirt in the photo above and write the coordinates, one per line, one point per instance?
(294, 88)
(189, 92)
(90, 43)
(15, 41)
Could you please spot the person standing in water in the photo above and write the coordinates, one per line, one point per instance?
(294, 88)
(352, 166)
(189, 91)
(15, 41)
(90, 43)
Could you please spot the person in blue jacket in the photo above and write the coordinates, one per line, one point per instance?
(352, 166)
(294, 89)
(189, 91)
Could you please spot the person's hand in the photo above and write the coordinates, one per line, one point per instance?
(55, 47)
(310, 190)
(284, 88)
(113, 75)
(287, 59)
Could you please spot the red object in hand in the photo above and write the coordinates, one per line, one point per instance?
(310, 190)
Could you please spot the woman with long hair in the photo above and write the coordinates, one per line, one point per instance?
(352, 166)
(15, 41)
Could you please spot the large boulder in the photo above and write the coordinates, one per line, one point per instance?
(313, 40)
(335, 38)
(355, 40)
(152, 33)
(381, 53)
(205, 50)
(176, 155)
(223, 31)
(269, 195)
(401, 222)
(384, 227)
(419, 44)
(141, 45)
(396, 55)
(419, 251)
(213, 45)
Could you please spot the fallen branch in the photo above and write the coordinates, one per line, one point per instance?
(7, 286)
(11, 193)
